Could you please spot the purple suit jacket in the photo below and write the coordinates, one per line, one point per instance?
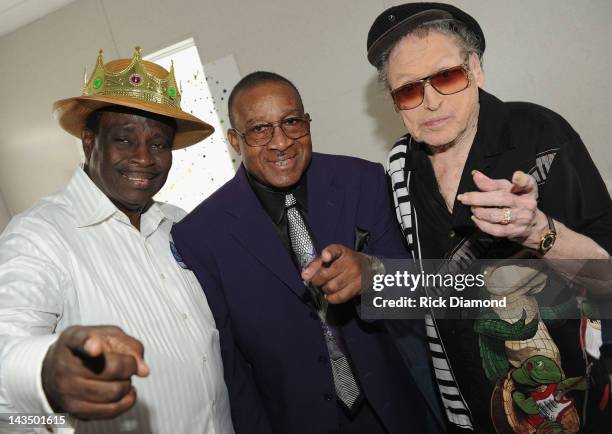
(275, 359)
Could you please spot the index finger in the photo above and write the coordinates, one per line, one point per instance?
(131, 347)
(487, 198)
(312, 269)
(126, 345)
(111, 367)
(79, 339)
(95, 341)
(331, 253)
(484, 183)
(522, 182)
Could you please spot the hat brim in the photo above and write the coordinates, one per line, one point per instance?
(72, 113)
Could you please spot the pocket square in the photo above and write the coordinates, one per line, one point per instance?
(361, 239)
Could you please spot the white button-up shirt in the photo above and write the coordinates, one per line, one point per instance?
(74, 258)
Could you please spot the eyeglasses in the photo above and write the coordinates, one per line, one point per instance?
(445, 82)
(294, 127)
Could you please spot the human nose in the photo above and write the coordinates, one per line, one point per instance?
(279, 141)
(142, 155)
(431, 98)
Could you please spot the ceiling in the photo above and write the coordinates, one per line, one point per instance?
(17, 13)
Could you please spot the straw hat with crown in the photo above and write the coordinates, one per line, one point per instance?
(133, 83)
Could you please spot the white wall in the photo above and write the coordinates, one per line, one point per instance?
(553, 52)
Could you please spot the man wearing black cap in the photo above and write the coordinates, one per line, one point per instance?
(524, 183)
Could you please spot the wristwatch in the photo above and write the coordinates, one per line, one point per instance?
(549, 238)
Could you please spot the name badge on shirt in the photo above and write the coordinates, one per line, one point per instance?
(177, 256)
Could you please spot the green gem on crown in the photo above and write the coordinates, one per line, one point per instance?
(97, 83)
(172, 92)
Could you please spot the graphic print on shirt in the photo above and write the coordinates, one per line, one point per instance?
(535, 398)
(515, 340)
(542, 165)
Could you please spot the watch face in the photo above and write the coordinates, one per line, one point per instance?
(548, 242)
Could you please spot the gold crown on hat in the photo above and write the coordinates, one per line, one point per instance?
(140, 79)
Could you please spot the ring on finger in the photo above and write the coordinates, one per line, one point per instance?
(507, 216)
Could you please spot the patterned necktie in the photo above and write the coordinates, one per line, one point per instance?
(303, 248)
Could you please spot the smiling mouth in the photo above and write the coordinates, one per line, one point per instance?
(139, 179)
(284, 162)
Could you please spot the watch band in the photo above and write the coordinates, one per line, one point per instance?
(551, 224)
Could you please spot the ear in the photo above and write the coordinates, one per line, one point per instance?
(88, 139)
(234, 140)
(477, 71)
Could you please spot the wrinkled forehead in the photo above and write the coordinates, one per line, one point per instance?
(418, 55)
(262, 89)
(264, 98)
(424, 44)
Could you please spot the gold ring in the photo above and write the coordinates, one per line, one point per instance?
(507, 216)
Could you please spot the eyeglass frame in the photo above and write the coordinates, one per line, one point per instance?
(278, 124)
(427, 80)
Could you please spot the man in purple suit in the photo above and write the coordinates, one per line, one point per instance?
(274, 250)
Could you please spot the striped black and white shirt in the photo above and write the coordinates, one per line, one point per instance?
(455, 406)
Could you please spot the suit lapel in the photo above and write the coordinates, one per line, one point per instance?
(325, 201)
(255, 231)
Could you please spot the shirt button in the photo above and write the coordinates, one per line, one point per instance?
(184, 316)
(328, 397)
(128, 425)
(163, 276)
(204, 359)
(451, 234)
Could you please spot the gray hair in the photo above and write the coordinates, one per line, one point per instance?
(465, 38)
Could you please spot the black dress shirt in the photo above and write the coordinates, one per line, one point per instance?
(273, 202)
(510, 137)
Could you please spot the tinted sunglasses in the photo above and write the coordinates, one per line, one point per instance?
(445, 82)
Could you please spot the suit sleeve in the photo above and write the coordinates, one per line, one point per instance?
(376, 211)
(248, 413)
(386, 242)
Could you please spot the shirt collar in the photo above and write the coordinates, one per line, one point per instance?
(273, 200)
(91, 206)
(492, 134)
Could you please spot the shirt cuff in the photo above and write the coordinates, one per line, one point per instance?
(22, 376)
(375, 267)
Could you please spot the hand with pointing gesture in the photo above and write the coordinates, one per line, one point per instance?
(507, 209)
(339, 271)
(88, 371)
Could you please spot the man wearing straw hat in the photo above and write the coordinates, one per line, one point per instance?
(88, 280)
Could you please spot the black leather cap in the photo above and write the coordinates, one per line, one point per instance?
(390, 26)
